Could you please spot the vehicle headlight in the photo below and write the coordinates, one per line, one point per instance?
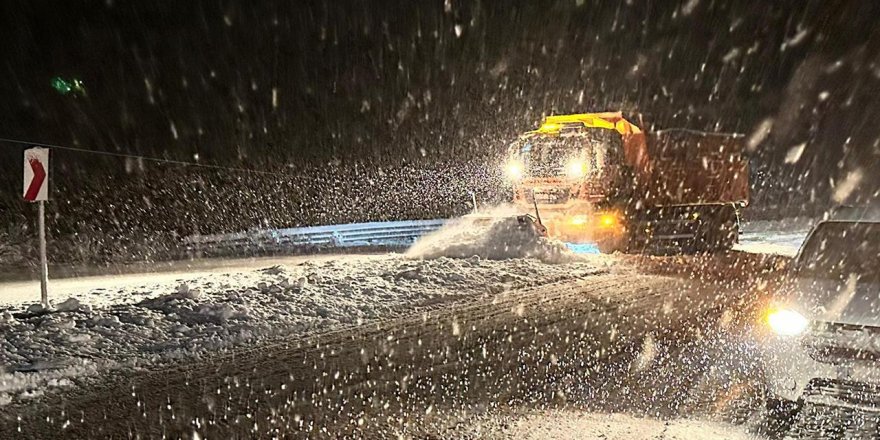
(576, 169)
(514, 170)
(786, 322)
(579, 220)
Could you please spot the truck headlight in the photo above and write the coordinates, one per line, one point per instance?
(786, 322)
(514, 170)
(579, 220)
(576, 169)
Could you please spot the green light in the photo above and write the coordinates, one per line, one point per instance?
(62, 86)
(66, 87)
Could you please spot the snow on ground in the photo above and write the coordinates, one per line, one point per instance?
(780, 237)
(567, 424)
(141, 325)
(85, 285)
(136, 321)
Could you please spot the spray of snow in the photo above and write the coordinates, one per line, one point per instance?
(495, 234)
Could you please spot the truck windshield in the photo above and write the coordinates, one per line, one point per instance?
(839, 250)
(550, 155)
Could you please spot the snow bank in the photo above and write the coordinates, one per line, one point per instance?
(135, 327)
(495, 235)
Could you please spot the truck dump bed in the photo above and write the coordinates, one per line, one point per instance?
(692, 167)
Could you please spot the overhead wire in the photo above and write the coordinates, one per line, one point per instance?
(135, 156)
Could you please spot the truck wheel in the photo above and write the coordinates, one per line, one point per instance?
(705, 239)
(718, 231)
(724, 236)
(611, 245)
(778, 417)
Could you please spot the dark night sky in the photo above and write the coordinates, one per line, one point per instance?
(248, 82)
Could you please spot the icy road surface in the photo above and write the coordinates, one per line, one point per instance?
(440, 341)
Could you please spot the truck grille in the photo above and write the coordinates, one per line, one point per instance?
(834, 343)
(837, 409)
(864, 395)
(546, 170)
(673, 229)
(548, 196)
(829, 354)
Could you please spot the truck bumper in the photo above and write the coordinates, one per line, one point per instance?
(607, 229)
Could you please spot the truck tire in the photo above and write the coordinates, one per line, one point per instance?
(617, 244)
(718, 230)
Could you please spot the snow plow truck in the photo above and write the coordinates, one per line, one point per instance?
(598, 178)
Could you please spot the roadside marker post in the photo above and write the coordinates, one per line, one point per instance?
(36, 189)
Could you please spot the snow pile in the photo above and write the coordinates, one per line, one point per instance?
(139, 327)
(497, 235)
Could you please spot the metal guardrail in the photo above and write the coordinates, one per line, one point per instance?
(404, 233)
(400, 233)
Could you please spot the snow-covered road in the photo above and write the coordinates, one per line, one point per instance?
(483, 332)
(139, 321)
(120, 326)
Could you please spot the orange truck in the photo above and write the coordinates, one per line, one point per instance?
(597, 177)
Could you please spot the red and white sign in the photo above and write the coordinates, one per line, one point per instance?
(36, 174)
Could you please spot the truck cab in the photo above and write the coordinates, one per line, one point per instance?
(573, 169)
